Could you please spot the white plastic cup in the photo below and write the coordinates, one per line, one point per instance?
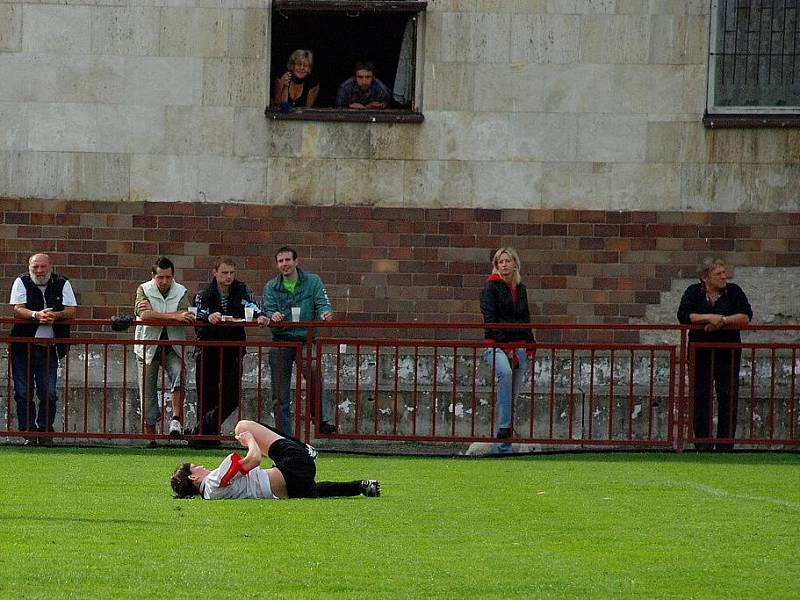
(295, 313)
(193, 310)
(248, 313)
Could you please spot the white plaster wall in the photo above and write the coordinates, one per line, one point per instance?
(527, 104)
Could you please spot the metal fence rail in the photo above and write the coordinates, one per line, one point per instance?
(416, 389)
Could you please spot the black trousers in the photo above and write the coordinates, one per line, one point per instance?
(299, 469)
(720, 367)
(219, 385)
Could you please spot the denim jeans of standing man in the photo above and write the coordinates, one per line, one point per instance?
(281, 361)
(42, 381)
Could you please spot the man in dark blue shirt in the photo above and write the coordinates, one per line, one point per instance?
(363, 90)
(722, 308)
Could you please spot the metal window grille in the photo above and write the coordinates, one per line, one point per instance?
(754, 58)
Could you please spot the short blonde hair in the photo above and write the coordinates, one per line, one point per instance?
(298, 55)
(708, 264)
(513, 254)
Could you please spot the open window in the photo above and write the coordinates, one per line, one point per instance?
(754, 64)
(341, 33)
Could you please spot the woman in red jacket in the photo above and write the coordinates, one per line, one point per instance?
(504, 299)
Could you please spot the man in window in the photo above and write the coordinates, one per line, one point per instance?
(363, 90)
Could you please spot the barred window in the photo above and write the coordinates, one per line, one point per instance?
(754, 63)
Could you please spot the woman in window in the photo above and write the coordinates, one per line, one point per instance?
(297, 87)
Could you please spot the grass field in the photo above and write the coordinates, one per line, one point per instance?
(101, 523)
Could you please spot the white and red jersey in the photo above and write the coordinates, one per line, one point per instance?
(231, 480)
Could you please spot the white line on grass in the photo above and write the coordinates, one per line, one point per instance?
(723, 494)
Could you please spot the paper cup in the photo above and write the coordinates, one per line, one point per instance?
(248, 313)
(295, 313)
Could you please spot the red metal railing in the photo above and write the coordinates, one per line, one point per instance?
(432, 390)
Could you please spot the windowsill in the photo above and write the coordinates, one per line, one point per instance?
(350, 5)
(750, 121)
(346, 115)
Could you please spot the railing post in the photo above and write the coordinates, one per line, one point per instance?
(682, 393)
(312, 397)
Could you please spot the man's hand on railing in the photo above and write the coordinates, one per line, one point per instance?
(45, 316)
(184, 317)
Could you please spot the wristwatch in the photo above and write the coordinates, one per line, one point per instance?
(33, 315)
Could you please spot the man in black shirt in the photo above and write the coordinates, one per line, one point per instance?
(722, 308)
(218, 373)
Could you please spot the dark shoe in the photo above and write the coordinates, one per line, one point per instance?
(504, 433)
(45, 441)
(326, 428)
(312, 452)
(150, 430)
(723, 447)
(372, 488)
(31, 442)
(703, 447)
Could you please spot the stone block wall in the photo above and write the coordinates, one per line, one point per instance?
(390, 264)
(528, 104)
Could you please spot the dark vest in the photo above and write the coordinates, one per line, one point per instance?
(54, 297)
(212, 300)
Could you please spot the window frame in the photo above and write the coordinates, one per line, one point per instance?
(739, 115)
(388, 115)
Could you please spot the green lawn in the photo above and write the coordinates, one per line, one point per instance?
(101, 523)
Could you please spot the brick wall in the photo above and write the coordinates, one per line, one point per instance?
(389, 264)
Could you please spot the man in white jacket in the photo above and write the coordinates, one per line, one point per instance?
(164, 299)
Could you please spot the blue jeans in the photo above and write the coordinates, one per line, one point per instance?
(503, 389)
(43, 376)
(281, 361)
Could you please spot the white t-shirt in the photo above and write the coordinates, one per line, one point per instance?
(231, 480)
(19, 295)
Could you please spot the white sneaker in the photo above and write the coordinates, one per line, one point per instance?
(175, 428)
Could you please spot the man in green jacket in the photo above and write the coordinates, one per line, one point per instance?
(294, 295)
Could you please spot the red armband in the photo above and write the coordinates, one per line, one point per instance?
(236, 467)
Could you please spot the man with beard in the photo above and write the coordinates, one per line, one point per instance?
(43, 299)
(363, 90)
(219, 379)
(165, 299)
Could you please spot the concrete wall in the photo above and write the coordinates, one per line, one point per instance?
(527, 104)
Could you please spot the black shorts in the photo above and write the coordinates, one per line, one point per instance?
(296, 465)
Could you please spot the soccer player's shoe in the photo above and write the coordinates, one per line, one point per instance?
(372, 488)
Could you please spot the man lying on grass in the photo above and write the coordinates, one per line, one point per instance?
(291, 476)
